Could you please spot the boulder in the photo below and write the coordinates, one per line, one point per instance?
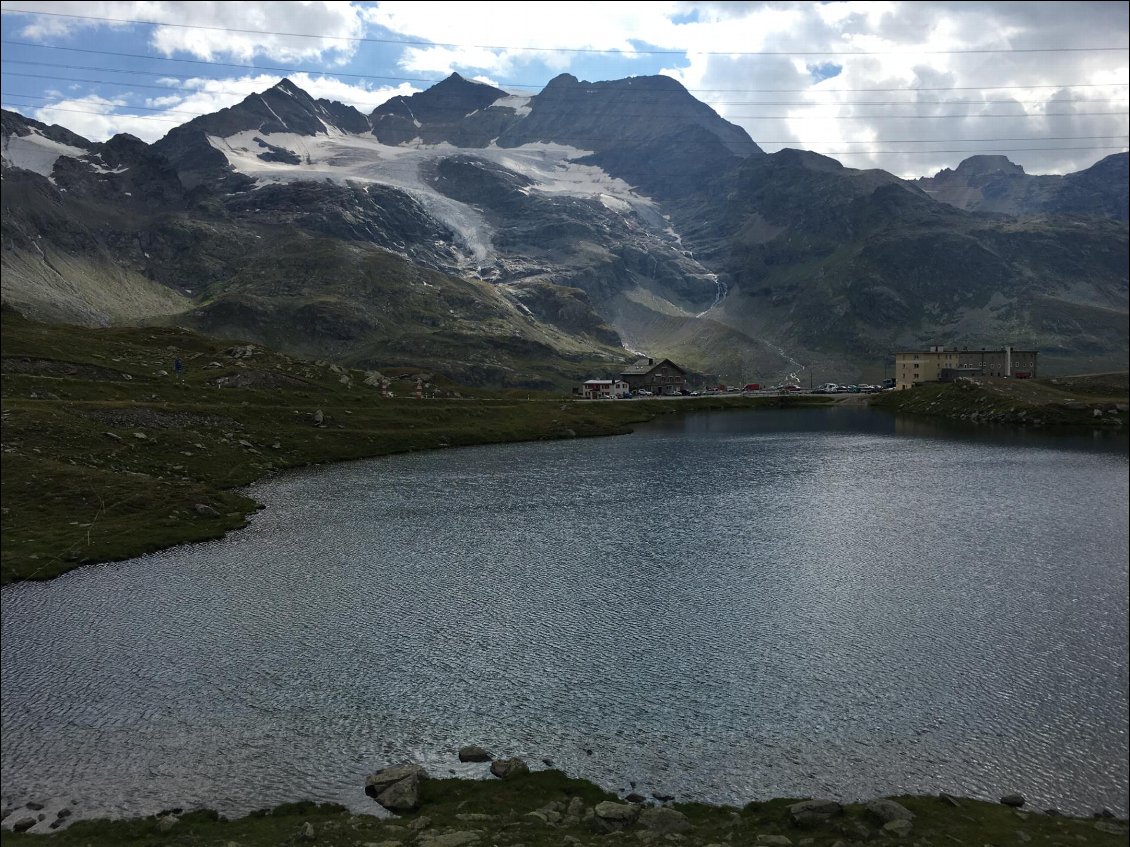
(814, 812)
(506, 768)
(474, 753)
(773, 841)
(396, 788)
(614, 817)
(459, 838)
(663, 820)
(898, 828)
(886, 811)
(1014, 800)
(636, 798)
(205, 511)
(24, 824)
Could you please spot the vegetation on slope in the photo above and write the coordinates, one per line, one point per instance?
(107, 455)
(1095, 401)
(548, 808)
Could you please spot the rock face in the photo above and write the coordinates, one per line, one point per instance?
(994, 184)
(474, 753)
(397, 788)
(506, 768)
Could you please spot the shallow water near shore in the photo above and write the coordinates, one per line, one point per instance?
(723, 607)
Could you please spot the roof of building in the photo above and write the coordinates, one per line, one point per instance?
(646, 365)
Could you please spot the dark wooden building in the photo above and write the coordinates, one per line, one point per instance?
(662, 377)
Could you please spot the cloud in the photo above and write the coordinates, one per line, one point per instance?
(335, 22)
(877, 111)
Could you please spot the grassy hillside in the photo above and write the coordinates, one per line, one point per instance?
(108, 455)
(1094, 401)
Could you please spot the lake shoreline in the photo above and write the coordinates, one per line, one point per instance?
(547, 807)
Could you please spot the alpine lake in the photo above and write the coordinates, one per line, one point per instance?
(826, 602)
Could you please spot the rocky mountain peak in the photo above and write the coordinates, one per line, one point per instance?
(985, 165)
(451, 110)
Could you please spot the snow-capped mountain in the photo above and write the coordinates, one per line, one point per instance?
(527, 239)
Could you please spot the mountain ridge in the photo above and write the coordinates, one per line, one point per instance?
(671, 232)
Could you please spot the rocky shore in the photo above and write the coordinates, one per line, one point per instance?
(517, 807)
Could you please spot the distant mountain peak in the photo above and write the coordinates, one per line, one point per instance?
(286, 86)
(981, 165)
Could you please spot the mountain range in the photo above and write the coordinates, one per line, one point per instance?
(534, 240)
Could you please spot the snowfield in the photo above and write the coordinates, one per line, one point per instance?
(346, 158)
(36, 152)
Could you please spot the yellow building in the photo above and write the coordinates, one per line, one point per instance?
(941, 364)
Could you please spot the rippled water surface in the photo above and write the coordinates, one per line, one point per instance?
(727, 607)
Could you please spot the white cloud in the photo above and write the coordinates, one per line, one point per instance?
(334, 21)
(527, 44)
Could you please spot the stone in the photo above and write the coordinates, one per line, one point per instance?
(898, 828)
(402, 796)
(663, 820)
(774, 840)
(507, 768)
(307, 831)
(205, 511)
(663, 798)
(35, 807)
(1110, 828)
(885, 811)
(613, 817)
(636, 798)
(453, 839)
(814, 812)
(474, 753)
(422, 822)
(396, 788)
(319, 417)
(949, 799)
(1014, 800)
(24, 824)
(166, 823)
(1104, 812)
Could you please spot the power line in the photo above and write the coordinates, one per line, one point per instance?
(642, 99)
(429, 80)
(629, 52)
(979, 151)
(609, 138)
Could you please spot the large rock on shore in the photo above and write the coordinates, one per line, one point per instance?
(474, 753)
(885, 811)
(397, 788)
(614, 817)
(814, 812)
(506, 768)
(664, 821)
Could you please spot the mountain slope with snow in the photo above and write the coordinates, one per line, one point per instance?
(497, 236)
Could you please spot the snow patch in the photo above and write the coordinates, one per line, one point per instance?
(517, 103)
(36, 152)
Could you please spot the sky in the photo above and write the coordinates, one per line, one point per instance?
(908, 87)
